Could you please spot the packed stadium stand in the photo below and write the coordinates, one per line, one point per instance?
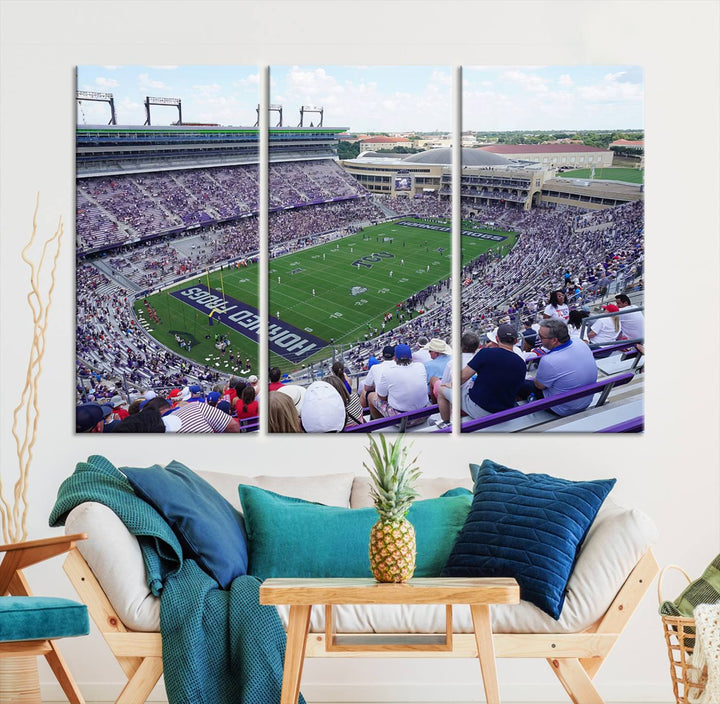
(156, 206)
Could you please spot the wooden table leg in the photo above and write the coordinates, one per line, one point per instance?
(298, 627)
(486, 651)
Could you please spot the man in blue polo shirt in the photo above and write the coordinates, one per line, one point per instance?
(568, 365)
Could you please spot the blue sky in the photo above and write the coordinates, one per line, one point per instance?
(378, 98)
(227, 95)
(367, 98)
(552, 97)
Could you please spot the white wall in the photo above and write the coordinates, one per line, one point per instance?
(671, 472)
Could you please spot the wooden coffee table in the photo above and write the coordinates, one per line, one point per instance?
(302, 594)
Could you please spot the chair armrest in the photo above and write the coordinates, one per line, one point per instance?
(56, 540)
(21, 555)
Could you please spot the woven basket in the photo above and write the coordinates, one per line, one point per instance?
(680, 639)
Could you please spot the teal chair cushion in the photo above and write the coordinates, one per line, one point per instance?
(40, 618)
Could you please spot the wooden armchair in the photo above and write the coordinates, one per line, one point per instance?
(29, 625)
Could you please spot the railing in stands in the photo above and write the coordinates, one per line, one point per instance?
(604, 387)
(402, 419)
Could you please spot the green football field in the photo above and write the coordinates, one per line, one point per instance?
(340, 290)
(611, 174)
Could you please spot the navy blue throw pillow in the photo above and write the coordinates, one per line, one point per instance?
(526, 526)
(209, 529)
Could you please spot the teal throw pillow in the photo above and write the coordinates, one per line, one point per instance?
(289, 537)
(209, 529)
(526, 526)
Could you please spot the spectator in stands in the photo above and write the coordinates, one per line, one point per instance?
(109, 418)
(353, 409)
(247, 406)
(575, 321)
(435, 366)
(120, 409)
(296, 393)
(338, 369)
(89, 418)
(275, 376)
(422, 354)
(323, 409)
(237, 384)
(604, 330)
(557, 307)
(253, 380)
(632, 325)
(375, 372)
(499, 376)
(203, 418)
(400, 388)
(282, 416)
(568, 365)
(443, 387)
(529, 335)
(196, 393)
(149, 419)
(493, 341)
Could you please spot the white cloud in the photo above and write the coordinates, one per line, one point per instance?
(106, 82)
(611, 77)
(441, 77)
(144, 81)
(212, 88)
(611, 90)
(529, 82)
(252, 80)
(565, 80)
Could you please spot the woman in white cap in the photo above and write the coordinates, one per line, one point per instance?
(323, 410)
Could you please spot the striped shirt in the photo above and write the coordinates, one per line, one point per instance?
(201, 418)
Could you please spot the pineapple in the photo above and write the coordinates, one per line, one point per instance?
(392, 539)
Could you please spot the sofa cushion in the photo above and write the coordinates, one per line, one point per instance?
(526, 526)
(427, 488)
(113, 554)
(328, 489)
(210, 530)
(289, 537)
(40, 617)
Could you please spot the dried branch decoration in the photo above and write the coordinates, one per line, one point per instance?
(13, 515)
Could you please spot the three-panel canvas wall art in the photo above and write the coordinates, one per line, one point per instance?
(351, 261)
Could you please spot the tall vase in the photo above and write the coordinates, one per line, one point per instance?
(19, 681)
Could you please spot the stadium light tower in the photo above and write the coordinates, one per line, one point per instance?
(310, 108)
(162, 101)
(100, 98)
(271, 108)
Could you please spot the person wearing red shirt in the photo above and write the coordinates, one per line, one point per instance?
(275, 382)
(247, 406)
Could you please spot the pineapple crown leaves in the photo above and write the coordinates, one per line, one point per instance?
(393, 476)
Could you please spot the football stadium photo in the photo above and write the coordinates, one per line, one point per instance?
(353, 219)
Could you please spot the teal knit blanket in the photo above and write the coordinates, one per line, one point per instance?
(219, 646)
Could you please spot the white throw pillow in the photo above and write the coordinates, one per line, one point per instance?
(328, 489)
(427, 487)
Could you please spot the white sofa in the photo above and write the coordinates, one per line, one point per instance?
(613, 570)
